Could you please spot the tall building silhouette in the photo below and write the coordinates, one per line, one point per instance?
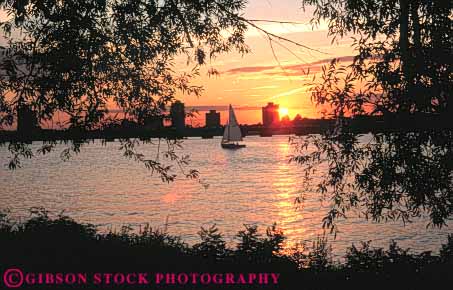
(212, 119)
(178, 116)
(27, 121)
(270, 115)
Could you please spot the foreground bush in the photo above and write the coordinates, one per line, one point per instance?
(43, 244)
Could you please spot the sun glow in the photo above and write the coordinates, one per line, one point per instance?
(283, 112)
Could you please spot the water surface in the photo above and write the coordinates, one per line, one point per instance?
(255, 185)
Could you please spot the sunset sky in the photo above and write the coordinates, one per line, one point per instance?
(251, 81)
(257, 78)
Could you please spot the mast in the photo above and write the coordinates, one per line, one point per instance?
(229, 122)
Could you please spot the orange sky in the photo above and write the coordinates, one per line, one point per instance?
(257, 78)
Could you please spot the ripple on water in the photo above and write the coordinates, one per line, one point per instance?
(255, 185)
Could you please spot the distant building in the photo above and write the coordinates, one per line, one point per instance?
(129, 124)
(154, 123)
(27, 121)
(270, 115)
(298, 121)
(178, 116)
(286, 121)
(212, 119)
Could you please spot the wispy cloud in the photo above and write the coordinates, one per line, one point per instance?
(286, 28)
(249, 69)
(288, 93)
(265, 88)
(288, 70)
(235, 90)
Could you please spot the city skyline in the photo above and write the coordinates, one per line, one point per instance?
(261, 116)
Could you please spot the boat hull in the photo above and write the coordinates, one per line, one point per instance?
(232, 146)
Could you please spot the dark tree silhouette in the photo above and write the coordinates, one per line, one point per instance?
(88, 59)
(85, 59)
(402, 76)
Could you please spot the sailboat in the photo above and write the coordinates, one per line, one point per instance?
(232, 134)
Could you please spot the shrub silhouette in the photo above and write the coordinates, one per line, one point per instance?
(56, 245)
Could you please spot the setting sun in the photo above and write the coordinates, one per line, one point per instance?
(283, 112)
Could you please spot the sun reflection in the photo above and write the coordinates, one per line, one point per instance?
(285, 184)
(171, 197)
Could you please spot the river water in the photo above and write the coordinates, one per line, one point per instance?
(255, 185)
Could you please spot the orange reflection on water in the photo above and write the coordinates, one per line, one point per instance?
(298, 224)
(171, 197)
(286, 185)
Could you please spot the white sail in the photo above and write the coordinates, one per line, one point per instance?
(226, 133)
(232, 131)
